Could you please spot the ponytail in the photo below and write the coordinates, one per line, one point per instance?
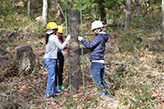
(47, 35)
(46, 39)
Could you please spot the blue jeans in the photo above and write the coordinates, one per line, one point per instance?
(50, 67)
(97, 73)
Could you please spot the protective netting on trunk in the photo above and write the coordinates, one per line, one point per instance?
(77, 56)
(73, 18)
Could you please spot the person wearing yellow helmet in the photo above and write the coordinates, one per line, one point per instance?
(60, 63)
(49, 60)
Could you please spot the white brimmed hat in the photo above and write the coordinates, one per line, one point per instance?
(96, 24)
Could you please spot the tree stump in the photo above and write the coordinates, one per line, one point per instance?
(26, 61)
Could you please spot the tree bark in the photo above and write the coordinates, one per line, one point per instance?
(25, 61)
(143, 3)
(138, 7)
(94, 12)
(102, 11)
(60, 12)
(162, 21)
(44, 11)
(28, 8)
(128, 14)
(74, 49)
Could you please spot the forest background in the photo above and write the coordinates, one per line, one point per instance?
(133, 57)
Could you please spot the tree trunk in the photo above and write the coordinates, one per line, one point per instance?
(163, 21)
(102, 11)
(28, 8)
(138, 7)
(143, 3)
(128, 14)
(60, 12)
(94, 12)
(44, 11)
(74, 24)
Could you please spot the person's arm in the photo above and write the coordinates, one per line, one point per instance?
(91, 44)
(61, 43)
(58, 43)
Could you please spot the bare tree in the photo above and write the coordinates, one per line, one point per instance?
(102, 11)
(143, 2)
(44, 11)
(60, 12)
(138, 7)
(128, 14)
(75, 69)
(28, 8)
(163, 21)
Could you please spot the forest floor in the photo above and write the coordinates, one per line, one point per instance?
(134, 73)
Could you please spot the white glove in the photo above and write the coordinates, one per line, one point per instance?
(68, 38)
(63, 52)
(67, 43)
(80, 38)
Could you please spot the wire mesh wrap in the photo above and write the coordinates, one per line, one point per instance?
(74, 49)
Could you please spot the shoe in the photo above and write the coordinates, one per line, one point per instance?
(58, 90)
(52, 96)
(57, 93)
(63, 88)
(107, 92)
(101, 94)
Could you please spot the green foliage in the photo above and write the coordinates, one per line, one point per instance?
(112, 4)
(133, 40)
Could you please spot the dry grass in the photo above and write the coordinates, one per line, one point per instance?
(135, 78)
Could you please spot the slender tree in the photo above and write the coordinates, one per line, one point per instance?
(28, 8)
(128, 14)
(60, 12)
(102, 11)
(44, 11)
(138, 7)
(163, 21)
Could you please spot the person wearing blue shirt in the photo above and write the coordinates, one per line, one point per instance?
(97, 48)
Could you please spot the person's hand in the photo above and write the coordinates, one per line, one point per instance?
(68, 38)
(68, 43)
(80, 38)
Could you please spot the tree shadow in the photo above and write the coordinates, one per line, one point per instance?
(78, 51)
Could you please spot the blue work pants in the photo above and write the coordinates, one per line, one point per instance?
(97, 73)
(50, 67)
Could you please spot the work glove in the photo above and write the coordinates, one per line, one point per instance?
(63, 52)
(67, 43)
(68, 38)
(80, 38)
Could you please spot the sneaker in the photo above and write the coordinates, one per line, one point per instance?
(58, 90)
(101, 94)
(52, 96)
(57, 93)
(63, 88)
(107, 92)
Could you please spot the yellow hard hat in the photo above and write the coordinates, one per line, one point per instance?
(60, 29)
(51, 26)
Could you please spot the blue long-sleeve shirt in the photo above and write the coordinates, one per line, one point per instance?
(97, 46)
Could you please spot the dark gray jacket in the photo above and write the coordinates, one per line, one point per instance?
(97, 46)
